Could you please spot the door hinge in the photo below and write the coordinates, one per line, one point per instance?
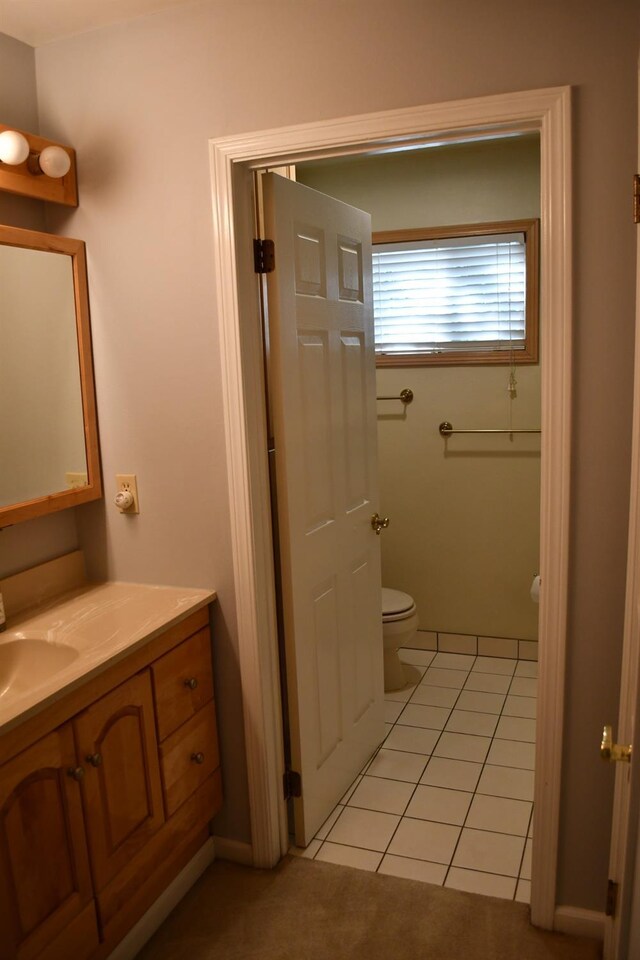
(264, 256)
(612, 898)
(636, 198)
(292, 783)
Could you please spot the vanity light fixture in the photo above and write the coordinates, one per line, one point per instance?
(25, 157)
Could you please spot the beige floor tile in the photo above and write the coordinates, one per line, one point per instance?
(523, 891)
(525, 869)
(468, 721)
(491, 852)
(351, 789)
(349, 856)
(412, 739)
(520, 707)
(512, 753)
(420, 715)
(424, 840)
(487, 682)
(454, 661)
(526, 669)
(462, 746)
(499, 815)
(506, 782)
(435, 696)
(439, 677)
(364, 828)
(516, 728)
(524, 687)
(479, 701)
(329, 822)
(488, 884)
(397, 765)
(387, 796)
(453, 774)
(413, 869)
(439, 804)
(499, 665)
(392, 710)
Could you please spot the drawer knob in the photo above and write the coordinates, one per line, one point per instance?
(197, 757)
(191, 682)
(95, 759)
(76, 773)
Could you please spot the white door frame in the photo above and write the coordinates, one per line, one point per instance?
(232, 160)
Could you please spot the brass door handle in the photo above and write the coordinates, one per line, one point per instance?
(76, 773)
(379, 523)
(95, 759)
(191, 682)
(614, 751)
(197, 757)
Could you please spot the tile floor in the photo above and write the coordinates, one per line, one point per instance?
(448, 796)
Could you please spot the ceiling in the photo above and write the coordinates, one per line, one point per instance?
(39, 21)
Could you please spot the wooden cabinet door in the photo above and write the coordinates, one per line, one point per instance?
(45, 884)
(123, 797)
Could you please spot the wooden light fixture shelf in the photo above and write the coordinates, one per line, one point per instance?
(21, 178)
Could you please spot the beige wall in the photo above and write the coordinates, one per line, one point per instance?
(124, 95)
(465, 517)
(30, 543)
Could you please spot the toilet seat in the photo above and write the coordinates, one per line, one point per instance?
(396, 605)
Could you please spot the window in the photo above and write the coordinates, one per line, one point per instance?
(453, 295)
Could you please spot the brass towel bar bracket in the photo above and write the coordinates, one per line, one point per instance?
(405, 396)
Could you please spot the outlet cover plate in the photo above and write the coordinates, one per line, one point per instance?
(129, 481)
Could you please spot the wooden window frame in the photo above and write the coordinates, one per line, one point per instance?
(531, 231)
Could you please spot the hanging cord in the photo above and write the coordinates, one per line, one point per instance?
(511, 389)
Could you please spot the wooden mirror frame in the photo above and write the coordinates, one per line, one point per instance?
(63, 499)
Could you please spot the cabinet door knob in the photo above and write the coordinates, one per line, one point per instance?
(197, 757)
(76, 773)
(191, 682)
(95, 759)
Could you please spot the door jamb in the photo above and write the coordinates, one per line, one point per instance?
(232, 160)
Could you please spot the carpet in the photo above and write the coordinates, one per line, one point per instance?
(306, 910)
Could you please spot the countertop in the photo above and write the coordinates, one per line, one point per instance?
(101, 623)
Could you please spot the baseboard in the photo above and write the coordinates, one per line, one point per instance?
(234, 850)
(579, 922)
(149, 922)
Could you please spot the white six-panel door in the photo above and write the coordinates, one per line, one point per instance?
(322, 395)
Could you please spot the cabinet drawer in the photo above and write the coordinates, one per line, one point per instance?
(188, 757)
(182, 682)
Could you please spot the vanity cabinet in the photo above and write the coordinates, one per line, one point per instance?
(45, 886)
(110, 796)
(116, 745)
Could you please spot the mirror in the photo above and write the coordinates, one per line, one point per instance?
(48, 430)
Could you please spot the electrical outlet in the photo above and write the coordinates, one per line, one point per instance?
(128, 483)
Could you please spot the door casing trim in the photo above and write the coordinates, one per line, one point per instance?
(232, 160)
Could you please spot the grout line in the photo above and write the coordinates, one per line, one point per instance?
(428, 758)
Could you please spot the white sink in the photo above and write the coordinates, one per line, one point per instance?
(26, 663)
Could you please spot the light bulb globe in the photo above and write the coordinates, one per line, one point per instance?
(54, 161)
(14, 148)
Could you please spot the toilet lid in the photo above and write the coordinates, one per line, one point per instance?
(395, 601)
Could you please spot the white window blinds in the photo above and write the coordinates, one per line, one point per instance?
(446, 295)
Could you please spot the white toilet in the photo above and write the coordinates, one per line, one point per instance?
(399, 626)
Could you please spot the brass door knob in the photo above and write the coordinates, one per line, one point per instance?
(379, 523)
(615, 752)
(197, 757)
(95, 759)
(76, 773)
(191, 682)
